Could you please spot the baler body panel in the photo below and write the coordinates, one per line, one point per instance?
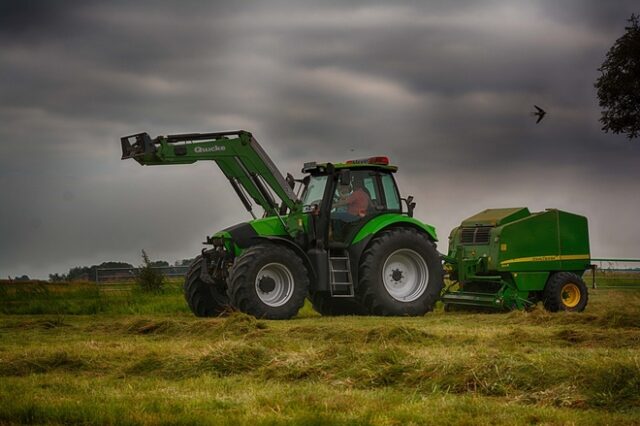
(530, 244)
(552, 240)
(496, 217)
(530, 281)
(574, 242)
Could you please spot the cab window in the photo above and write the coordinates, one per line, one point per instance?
(371, 189)
(390, 192)
(314, 190)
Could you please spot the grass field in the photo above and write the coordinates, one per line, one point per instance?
(75, 354)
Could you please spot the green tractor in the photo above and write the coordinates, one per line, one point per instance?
(343, 237)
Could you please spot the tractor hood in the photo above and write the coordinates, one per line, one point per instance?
(244, 235)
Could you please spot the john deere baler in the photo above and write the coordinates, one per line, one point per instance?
(511, 258)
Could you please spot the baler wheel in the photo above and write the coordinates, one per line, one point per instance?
(268, 281)
(400, 274)
(565, 291)
(204, 299)
(326, 305)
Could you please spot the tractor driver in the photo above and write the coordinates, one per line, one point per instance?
(352, 203)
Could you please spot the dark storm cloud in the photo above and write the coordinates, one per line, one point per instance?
(27, 19)
(593, 14)
(445, 89)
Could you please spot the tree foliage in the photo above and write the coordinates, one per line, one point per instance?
(184, 262)
(56, 278)
(22, 278)
(88, 273)
(147, 278)
(82, 273)
(619, 85)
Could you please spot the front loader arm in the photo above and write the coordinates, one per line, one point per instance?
(238, 154)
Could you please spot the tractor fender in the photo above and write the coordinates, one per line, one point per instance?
(296, 248)
(373, 227)
(389, 220)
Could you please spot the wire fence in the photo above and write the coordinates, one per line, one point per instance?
(614, 273)
(606, 273)
(123, 275)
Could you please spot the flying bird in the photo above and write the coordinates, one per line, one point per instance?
(540, 113)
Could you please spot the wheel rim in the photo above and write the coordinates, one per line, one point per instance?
(274, 284)
(570, 295)
(405, 275)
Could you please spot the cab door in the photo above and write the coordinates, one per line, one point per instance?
(355, 202)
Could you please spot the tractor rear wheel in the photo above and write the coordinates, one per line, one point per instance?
(204, 299)
(268, 281)
(326, 305)
(400, 274)
(565, 291)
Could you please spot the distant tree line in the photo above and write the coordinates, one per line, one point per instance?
(88, 273)
(20, 278)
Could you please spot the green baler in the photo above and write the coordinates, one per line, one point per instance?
(511, 259)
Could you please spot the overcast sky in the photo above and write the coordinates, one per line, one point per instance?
(445, 88)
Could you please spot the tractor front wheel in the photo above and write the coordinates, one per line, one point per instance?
(565, 291)
(268, 281)
(204, 299)
(400, 274)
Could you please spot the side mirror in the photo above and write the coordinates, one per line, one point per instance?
(410, 205)
(345, 177)
(290, 181)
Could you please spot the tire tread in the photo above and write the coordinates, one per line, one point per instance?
(241, 291)
(552, 299)
(203, 299)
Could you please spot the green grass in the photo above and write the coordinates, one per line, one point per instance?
(606, 278)
(143, 359)
(86, 298)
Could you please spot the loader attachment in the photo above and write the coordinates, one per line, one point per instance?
(249, 169)
(141, 145)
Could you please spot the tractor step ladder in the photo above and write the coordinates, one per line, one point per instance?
(341, 281)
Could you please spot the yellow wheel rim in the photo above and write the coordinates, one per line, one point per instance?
(570, 295)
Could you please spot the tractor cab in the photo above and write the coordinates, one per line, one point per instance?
(343, 197)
